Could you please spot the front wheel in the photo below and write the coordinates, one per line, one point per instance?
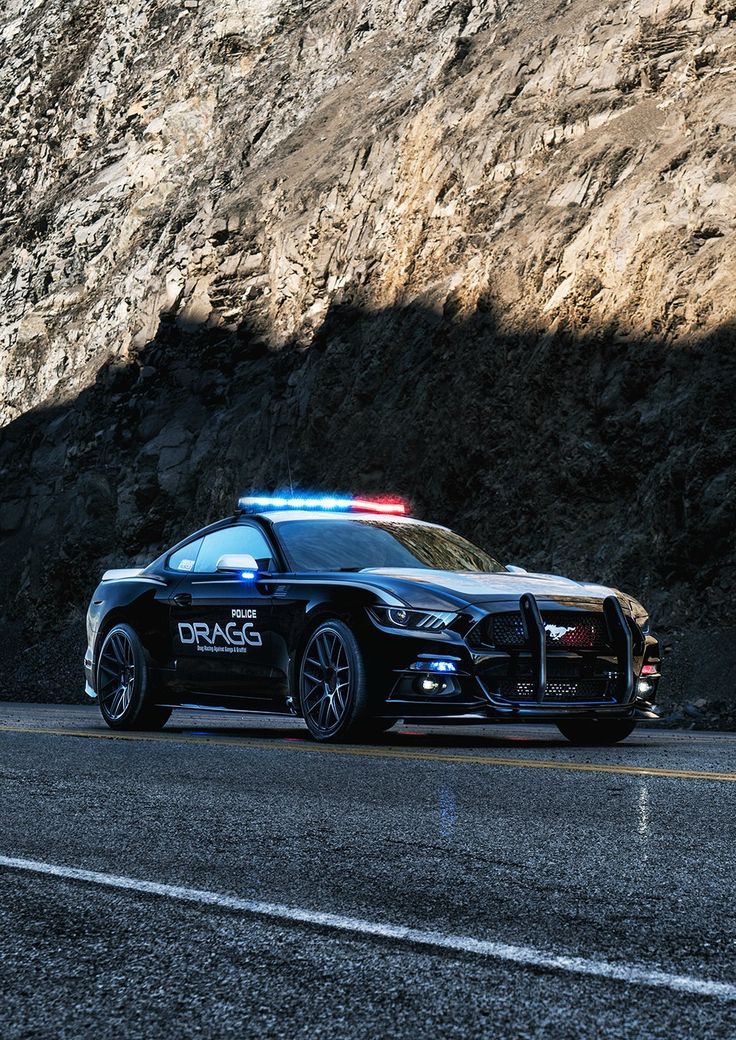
(596, 732)
(377, 727)
(332, 685)
(123, 683)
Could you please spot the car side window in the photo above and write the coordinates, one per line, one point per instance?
(242, 538)
(184, 559)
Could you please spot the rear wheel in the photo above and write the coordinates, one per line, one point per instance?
(123, 682)
(596, 732)
(332, 686)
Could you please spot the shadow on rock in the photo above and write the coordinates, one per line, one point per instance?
(597, 456)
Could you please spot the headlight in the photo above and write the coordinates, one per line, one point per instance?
(400, 617)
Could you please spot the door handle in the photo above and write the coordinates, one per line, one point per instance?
(182, 599)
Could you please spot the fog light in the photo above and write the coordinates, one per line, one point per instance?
(429, 686)
(643, 687)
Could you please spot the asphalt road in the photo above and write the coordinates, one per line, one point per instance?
(229, 878)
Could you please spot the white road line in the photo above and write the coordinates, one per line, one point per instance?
(637, 974)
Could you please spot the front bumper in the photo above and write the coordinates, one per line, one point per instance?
(534, 681)
(89, 674)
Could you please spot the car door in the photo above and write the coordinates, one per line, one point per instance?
(222, 624)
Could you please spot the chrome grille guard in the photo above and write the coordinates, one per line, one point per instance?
(619, 634)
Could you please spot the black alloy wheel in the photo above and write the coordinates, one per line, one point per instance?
(332, 689)
(123, 682)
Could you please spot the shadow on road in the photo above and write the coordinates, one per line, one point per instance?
(406, 739)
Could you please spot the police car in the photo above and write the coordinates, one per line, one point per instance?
(352, 615)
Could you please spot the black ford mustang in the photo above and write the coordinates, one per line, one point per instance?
(353, 615)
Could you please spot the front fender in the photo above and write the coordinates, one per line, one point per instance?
(141, 602)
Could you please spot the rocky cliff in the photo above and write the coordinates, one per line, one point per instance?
(480, 252)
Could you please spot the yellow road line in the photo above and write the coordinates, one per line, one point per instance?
(398, 754)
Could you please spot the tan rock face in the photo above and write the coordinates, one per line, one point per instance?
(257, 161)
(482, 249)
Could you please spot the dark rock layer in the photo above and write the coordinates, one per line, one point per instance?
(478, 253)
(562, 453)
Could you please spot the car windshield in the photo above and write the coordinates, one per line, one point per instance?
(356, 544)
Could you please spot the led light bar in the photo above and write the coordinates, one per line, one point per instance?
(374, 505)
(328, 503)
(442, 666)
(438, 665)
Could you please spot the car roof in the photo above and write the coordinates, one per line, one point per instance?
(279, 515)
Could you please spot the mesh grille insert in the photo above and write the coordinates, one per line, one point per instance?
(565, 630)
(558, 690)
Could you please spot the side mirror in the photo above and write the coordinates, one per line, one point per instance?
(238, 563)
(516, 570)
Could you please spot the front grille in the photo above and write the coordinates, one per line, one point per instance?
(558, 690)
(576, 632)
(565, 630)
(506, 629)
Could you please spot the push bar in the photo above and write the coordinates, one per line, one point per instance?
(537, 639)
(620, 636)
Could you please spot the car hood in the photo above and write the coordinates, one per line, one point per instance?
(480, 588)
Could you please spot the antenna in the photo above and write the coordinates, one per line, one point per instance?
(288, 466)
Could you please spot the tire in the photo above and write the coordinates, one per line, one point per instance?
(595, 732)
(332, 686)
(373, 729)
(380, 725)
(123, 682)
